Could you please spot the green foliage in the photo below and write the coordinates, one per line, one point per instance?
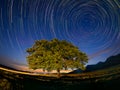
(55, 55)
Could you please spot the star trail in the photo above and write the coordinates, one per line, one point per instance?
(91, 25)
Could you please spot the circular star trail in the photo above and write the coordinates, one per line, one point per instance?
(91, 25)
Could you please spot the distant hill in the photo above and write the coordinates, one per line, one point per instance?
(3, 66)
(6, 61)
(9, 63)
(111, 61)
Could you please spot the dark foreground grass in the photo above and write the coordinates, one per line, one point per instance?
(107, 79)
(61, 84)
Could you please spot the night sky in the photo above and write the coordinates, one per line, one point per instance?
(91, 25)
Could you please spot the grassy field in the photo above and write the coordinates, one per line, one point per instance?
(108, 78)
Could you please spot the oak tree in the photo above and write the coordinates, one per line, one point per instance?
(55, 55)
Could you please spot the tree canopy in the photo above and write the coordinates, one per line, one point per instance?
(55, 55)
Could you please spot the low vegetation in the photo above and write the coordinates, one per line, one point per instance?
(106, 78)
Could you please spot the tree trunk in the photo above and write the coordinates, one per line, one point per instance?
(44, 71)
(58, 73)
